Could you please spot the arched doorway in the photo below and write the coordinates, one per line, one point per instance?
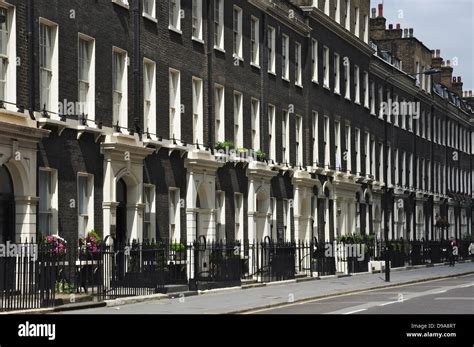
(121, 221)
(205, 224)
(7, 206)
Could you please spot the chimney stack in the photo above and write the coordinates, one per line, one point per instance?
(380, 10)
(446, 75)
(457, 86)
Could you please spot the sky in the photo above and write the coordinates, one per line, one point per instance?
(447, 25)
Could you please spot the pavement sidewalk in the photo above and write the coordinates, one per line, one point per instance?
(238, 300)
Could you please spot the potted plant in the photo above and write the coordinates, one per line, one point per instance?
(224, 144)
(261, 156)
(54, 246)
(178, 251)
(90, 246)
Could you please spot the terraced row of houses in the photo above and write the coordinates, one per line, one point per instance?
(232, 120)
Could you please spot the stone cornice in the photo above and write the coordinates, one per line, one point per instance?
(259, 170)
(337, 29)
(20, 127)
(280, 14)
(199, 161)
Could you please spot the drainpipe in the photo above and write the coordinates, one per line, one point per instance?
(210, 70)
(136, 64)
(31, 58)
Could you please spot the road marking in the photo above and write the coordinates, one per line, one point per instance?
(440, 292)
(388, 303)
(453, 298)
(360, 310)
(361, 291)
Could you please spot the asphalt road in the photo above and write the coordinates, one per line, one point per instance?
(446, 296)
(274, 295)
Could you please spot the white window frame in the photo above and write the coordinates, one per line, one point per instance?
(348, 153)
(149, 97)
(347, 78)
(271, 44)
(347, 15)
(285, 61)
(298, 67)
(337, 144)
(85, 220)
(50, 67)
(219, 25)
(52, 208)
(197, 20)
(326, 67)
(358, 145)
(314, 61)
(237, 32)
(149, 9)
(357, 22)
(327, 142)
(380, 97)
(357, 84)
(149, 213)
(120, 87)
(315, 137)
(255, 123)
(8, 58)
(174, 104)
(198, 110)
(174, 208)
(174, 19)
(366, 89)
(366, 31)
(299, 139)
(254, 41)
(271, 112)
(337, 73)
(239, 216)
(87, 101)
(220, 215)
(285, 142)
(337, 11)
(238, 120)
(372, 98)
(219, 109)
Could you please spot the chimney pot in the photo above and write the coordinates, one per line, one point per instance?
(405, 32)
(390, 27)
(438, 53)
(459, 79)
(380, 10)
(448, 63)
(398, 26)
(410, 31)
(374, 12)
(454, 79)
(470, 93)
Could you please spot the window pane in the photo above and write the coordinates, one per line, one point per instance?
(83, 194)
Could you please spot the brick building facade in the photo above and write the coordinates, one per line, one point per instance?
(115, 111)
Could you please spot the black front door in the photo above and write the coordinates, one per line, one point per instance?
(121, 226)
(7, 204)
(7, 225)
